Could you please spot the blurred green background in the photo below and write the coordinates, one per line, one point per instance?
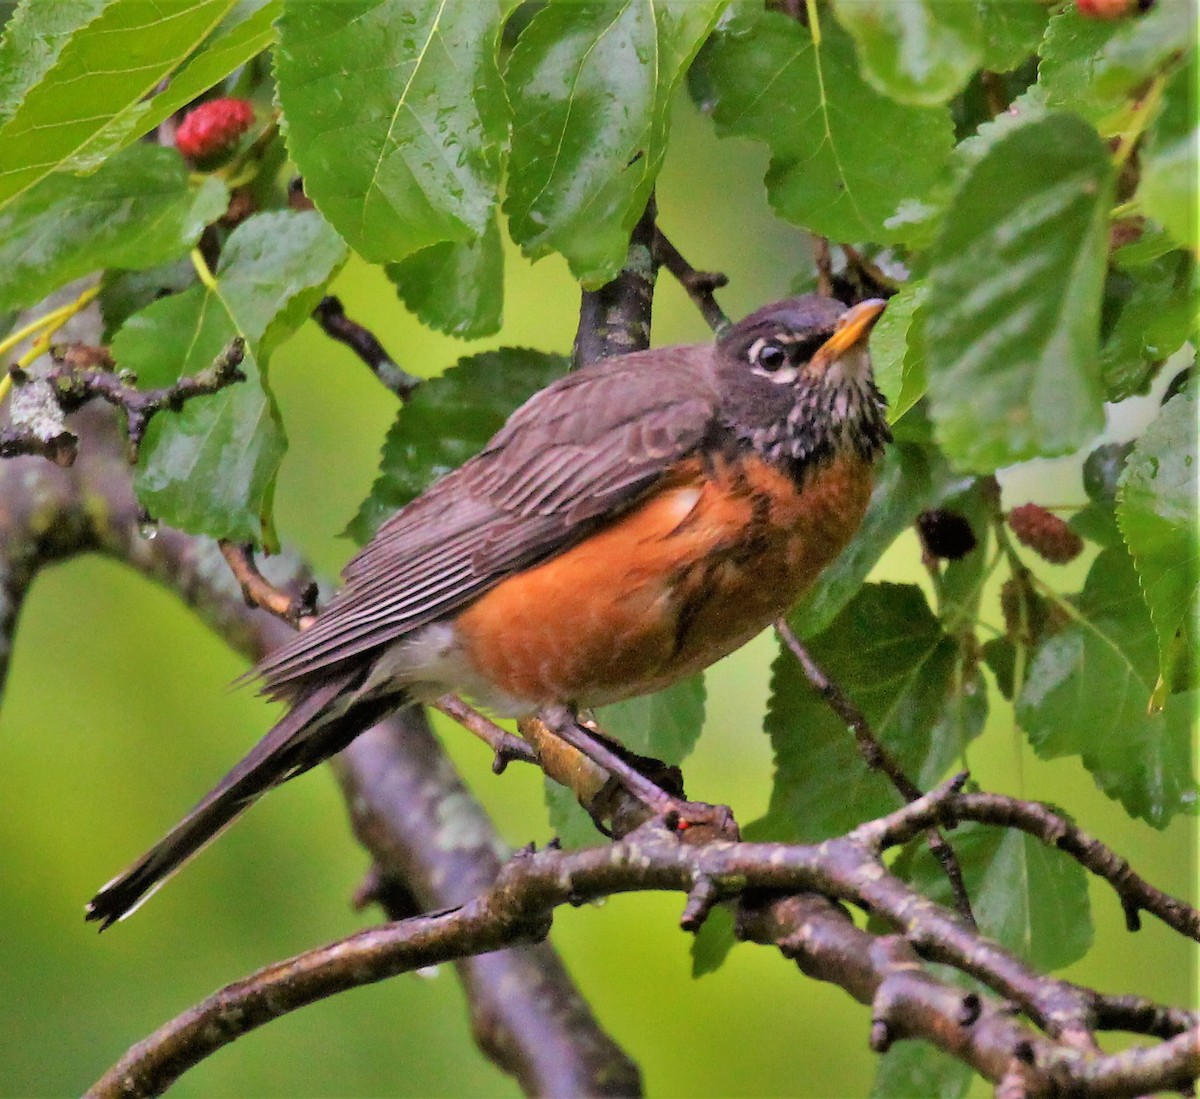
(119, 714)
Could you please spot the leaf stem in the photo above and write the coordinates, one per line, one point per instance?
(814, 21)
(202, 270)
(44, 326)
(1139, 120)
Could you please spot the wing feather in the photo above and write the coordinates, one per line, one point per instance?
(573, 456)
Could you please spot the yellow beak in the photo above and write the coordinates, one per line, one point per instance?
(853, 327)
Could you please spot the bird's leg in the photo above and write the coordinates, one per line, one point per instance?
(680, 814)
(563, 723)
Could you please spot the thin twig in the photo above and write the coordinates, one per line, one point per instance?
(823, 259)
(699, 285)
(75, 379)
(877, 758)
(298, 611)
(331, 316)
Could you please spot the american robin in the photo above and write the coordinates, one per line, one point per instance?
(629, 525)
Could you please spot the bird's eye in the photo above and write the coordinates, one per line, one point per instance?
(771, 356)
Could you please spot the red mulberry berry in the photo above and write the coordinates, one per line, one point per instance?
(1044, 533)
(213, 128)
(1106, 9)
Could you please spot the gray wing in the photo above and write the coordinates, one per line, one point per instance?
(574, 455)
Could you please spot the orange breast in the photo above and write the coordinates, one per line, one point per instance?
(678, 582)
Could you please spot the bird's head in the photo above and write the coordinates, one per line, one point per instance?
(797, 383)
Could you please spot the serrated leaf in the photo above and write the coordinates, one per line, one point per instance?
(137, 211)
(1011, 32)
(244, 33)
(211, 468)
(890, 655)
(1167, 191)
(1028, 897)
(664, 725)
(1156, 510)
(1088, 692)
(107, 66)
(33, 38)
(1067, 70)
(921, 52)
(1149, 311)
(591, 87)
(1015, 285)
(911, 479)
(457, 288)
(395, 116)
(845, 159)
(918, 1070)
(897, 359)
(447, 420)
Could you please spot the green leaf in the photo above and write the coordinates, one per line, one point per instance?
(569, 821)
(211, 468)
(591, 87)
(847, 162)
(896, 357)
(918, 1070)
(447, 420)
(1156, 510)
(664, 725)
(1067, 70)
(137, 211)
(1028, 897)
(1143, 47)
(921, 52)
(890, 655)
(911, 479)
(245, 33)
(1017, 274)
(1149, 310)
(124, 293)
(1088, 693)
(1167, 191)
(1011, 32)
(34, 37)
(395, 116)
(713, 942)
(457, 288)
(107, 66)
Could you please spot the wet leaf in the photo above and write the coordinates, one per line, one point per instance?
(395, 117)
(921, 52)
(137, 211)
(211, 468)
(1088, 692)
(591, 87)
(1012, 325)
(845, 159)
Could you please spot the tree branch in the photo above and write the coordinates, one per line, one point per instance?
(331, 316)
(908, 1000)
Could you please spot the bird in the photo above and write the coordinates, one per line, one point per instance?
(630, 524)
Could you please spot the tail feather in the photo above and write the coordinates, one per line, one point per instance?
(312, 731)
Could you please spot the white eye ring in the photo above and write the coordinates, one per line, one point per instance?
(767, 354)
